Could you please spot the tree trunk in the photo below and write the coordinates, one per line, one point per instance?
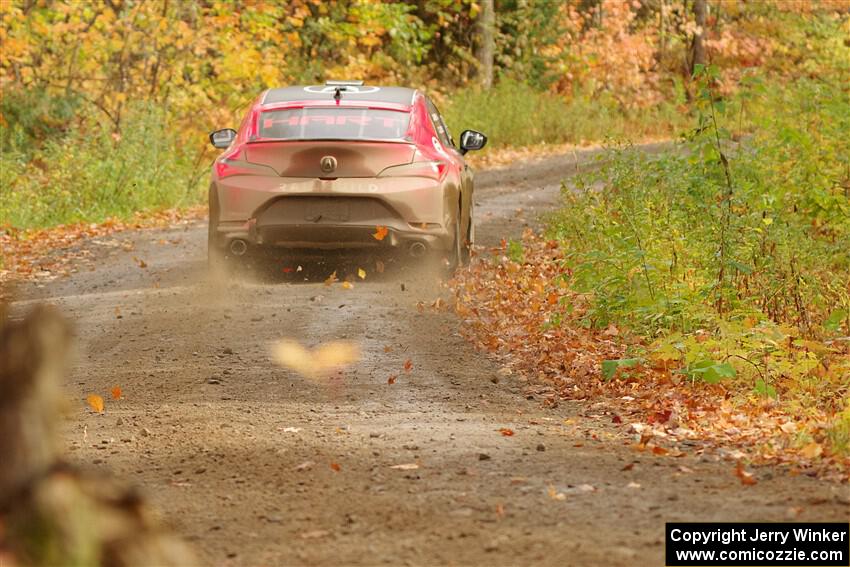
(700, 13)
(486, 43)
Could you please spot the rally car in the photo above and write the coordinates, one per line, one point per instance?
(343, 166)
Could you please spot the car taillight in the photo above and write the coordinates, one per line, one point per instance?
(431, 169)
(229, 164)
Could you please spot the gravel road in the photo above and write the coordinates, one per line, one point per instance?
(255, 465)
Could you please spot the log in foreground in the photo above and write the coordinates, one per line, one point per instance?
(52, 513)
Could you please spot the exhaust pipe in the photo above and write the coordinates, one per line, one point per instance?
(238, 247)
(417, 250)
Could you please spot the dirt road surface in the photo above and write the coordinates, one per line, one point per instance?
(255, 465)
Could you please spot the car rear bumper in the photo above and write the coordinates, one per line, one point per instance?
(334, 214)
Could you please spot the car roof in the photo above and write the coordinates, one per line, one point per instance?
(348, 93)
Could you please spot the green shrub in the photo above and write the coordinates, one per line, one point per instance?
(753, 270)
(91, 173)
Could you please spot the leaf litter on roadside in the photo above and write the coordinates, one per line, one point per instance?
(527, 314)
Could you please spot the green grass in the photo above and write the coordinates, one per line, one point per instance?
(515, 114)
(752, 273)
(87, 174)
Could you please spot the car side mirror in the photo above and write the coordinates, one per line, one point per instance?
(472, 140)
(222, 139)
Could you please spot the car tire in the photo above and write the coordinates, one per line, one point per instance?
(217, 258)
(454, 258)
(466, 247)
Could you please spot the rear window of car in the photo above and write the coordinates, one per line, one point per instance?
(333, 124)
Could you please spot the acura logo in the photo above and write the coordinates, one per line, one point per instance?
(328, 164)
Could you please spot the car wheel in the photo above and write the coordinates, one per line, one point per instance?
(217, 258)
(466, 248)
(455, 254)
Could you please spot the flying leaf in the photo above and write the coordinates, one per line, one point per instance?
(380, 232)
(361, 273)
(116, 392)
(317, 363)
(95, 402)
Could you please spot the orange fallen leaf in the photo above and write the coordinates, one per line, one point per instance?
(391, 379)
(747, 478)
(336, 467)
(388, 349)
(659, 450)
(116, 392)
(506, 432)
(500, 510)
(95, 402)
(408, 365)
(380, 232)
(812, 450)
(347, 285)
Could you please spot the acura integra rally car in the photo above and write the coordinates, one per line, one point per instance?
(342, 166)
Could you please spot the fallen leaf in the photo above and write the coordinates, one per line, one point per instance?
(388, 349)
(318, 362)
(812, 450)
(95, 402)
(391, 379)
(406, 467)
(331, 278)
(380, 232)
(379, 266)
(628, 467)
(361, 273)
(347, 285)
(116, 392)
(633, 485)
(506, 432)
(746, 477)
(336, 467)
(408, 365)
(555, 495)
(140, 262)
(500, 510)
(659, 450)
